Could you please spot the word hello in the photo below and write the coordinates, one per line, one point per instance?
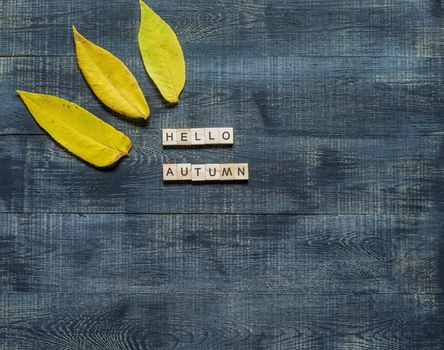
(205, 172)
(196, 137)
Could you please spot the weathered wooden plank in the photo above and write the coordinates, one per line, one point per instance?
(288, 174)
(316, 96)
(231, 320)
(337, 107)
(131, 254)
(235, 28)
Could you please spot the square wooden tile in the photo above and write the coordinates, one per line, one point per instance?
(211, 136)
(241, 171)
(183, 137)
(226, 172)
(198, 136)
(168, 137)
(212, 172)
(198, 172)
(169, 172)
(184, 172)
(226, 136)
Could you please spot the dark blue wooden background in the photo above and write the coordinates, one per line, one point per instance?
(337, 240)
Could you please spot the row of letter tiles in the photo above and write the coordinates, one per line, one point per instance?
(195, 137)
(205, 172)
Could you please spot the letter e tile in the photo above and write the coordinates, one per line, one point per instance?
(183, 137)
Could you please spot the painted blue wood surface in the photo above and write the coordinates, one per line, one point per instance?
(337, 240)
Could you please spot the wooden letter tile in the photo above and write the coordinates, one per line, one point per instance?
(226, 136)
(212, 172)
(241, 171)
(211, 136)
(169, 137)
(198, 136)
(184, 172)
(198, 172)
(226, 172)
(183, 137)
(169, 172)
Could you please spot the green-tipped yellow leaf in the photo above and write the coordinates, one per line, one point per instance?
(110, 80)
(76, 129)
(161, 53)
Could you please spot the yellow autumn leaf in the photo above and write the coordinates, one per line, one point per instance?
(110, 80)
(76, 129)
(162, 54)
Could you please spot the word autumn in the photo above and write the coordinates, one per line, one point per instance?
(205, 172)
(195, 137)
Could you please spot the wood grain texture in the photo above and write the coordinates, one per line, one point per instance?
(233, 28)
(328, 255)
(358, 96)
(288, 175)
(137, 282)
(336, 241)
(232, 320)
